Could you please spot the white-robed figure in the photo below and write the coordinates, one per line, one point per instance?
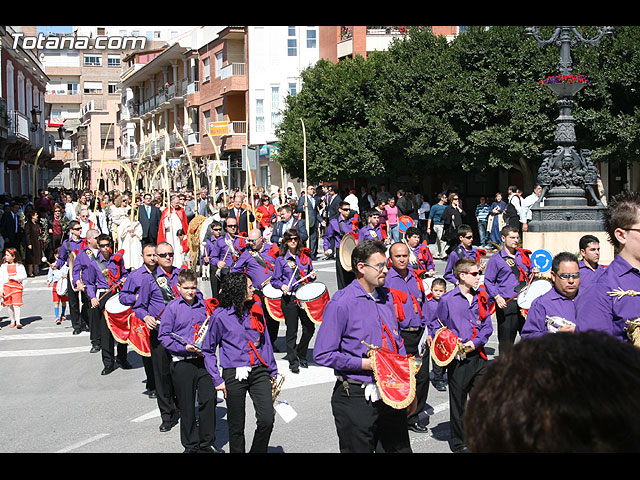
(130, 241)
(172, 220)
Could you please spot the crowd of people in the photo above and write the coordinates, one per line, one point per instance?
(146, 253)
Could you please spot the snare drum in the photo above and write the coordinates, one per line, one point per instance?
(126, 327)
(536, 289)
(313, 297)
(272, 301)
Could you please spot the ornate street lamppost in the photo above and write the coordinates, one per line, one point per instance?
(567, 175)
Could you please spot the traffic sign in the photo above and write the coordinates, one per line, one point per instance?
(542, 259)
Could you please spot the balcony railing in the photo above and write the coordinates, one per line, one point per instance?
(233, 70)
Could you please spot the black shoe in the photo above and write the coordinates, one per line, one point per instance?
(211, 449)
(294, 368)
(304, 364)
(107, 370)
(461, 449)
(125, 365)
(416, 427)
(77, 331)
(94, 349)
(168, 425)
(441, 386)
(152, 394)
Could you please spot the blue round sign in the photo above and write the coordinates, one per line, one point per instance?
(542, 259)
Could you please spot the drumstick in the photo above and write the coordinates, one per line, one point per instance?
(293, 275)
(302, 278)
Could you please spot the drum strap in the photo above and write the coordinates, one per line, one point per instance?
(292, 266)
(258, 258)
(229, 243)
(518, 272)
(165, 287)
(101, 266)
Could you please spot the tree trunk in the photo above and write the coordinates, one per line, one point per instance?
(528, 175)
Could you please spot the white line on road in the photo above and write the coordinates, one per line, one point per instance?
(48, 351)
(83, 443)
(40, 336)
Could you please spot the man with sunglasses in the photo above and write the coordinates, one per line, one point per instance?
(464, 250)
(362, 312)
(560, 301)
(102, 275)
(159, 287)
(215, 230)
(68, 252)
(507, 273)
(465, 312)
(614, 298)
(336, 229)
(225, 253)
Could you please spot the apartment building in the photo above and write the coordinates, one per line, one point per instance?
(84, 95)
(22, 112)
(227, 84)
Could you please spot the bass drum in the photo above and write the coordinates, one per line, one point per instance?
(347, 245)
(536, 289)
(126, 327)
(273, 301)
(313, 297)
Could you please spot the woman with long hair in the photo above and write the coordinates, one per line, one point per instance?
(33, 252)
(292, 269)
(12, 274)
(238, 341)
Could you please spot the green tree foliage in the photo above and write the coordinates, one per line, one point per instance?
(474, 103)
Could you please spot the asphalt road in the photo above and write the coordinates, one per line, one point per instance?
(54, 399)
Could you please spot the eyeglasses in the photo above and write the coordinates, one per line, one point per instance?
(469, 236)
(632, 229)
(216, 229)
(232, 226)
(104, 245)
(380, 267)
(165, 255)
(567, 276)
(295, 239)
(76, 228)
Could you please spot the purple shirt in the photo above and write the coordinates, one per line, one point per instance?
(498, 276)
(283, 272)
(587, 274)
(184, 320)
(413, 315)
(219, 251)
(68, 246)
(92, 275)
(453, 258)
(600, 309)
(369, 233)
(336, 229)
(430, 313)
(249, 265)
(129, 291)
(551, 304)
(227, 343)
(463, 318)
(150, 299)
(208, 250)
(351, 317)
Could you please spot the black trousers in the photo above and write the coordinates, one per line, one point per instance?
(98, 321)
(292, 313)
(411, 341)
(463, 375)
(343, 277)
(79, 317)
(95, 320)
(215, 282)
(365, 427)
(258, 386)
(161, 362)
(510, 322)
(192, 382)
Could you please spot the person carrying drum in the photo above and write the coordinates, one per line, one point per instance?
(294, 268)
(336, 229)
(555, 311)
(506, 274)
(225, 252)
(157, 289)
(258, 262)
(412, 322)
(102, 277)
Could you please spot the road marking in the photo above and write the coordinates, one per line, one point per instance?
(147, 416)
(83, 443)
(40, 336)
(48, 351)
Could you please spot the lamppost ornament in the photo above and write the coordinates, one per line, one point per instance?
(566, 175)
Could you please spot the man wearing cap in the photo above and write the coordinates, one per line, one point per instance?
(558, 302)
(362, 312)
(614, 299)
(411, 320)
(464, 310)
